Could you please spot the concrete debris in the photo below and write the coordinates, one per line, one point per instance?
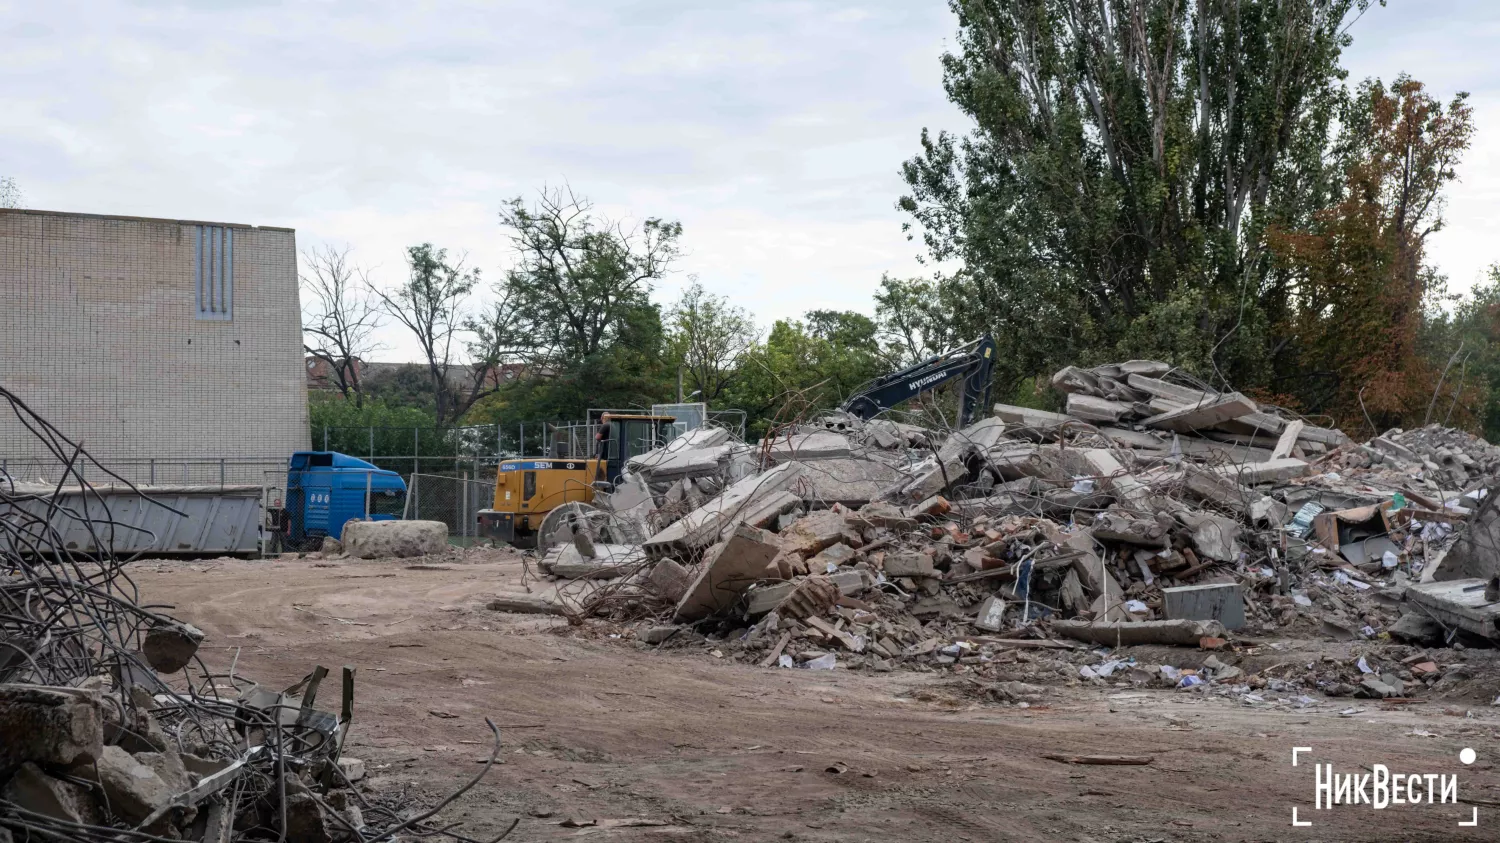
(401, 539)
(170, 645)
(1181, 633)
(51, 726)
(110, 726)
(727, 572)
(1154, 511)
(1212, 602)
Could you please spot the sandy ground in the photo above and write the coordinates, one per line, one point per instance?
(601, 729)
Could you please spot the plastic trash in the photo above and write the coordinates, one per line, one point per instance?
(833, 567)
(1398, 501)
(1084, 485)
(1389, 560)
(1170, 672)
(827, 661)
(1367, 631)
(1190, 681)
(1136, 607)
(784, 660)
(1364, 666)
(1301, 599)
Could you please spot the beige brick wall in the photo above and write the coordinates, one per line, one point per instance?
(99, 334)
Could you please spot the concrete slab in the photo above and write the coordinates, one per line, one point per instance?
(1220, 602)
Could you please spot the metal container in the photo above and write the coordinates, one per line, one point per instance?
(217, 520)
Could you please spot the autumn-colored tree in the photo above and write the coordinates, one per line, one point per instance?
(1359, 282)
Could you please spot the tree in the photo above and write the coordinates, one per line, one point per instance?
(431, 305)
(805, 367)
(1359, 282)
(709, 337)
(576, 309)
(578, 274)
(10, 193)
(340, 317)
(1125, 159)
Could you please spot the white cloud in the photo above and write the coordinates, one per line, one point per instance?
(773, 130)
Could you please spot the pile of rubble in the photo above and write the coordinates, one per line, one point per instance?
(113, 729)
(1153, 511)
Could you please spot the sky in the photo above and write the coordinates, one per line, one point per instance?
(773, 130)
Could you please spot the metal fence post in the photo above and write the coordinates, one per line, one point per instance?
(369, 476)
(372, 443)
(325, 437)
(522, 447)
(221, 472)
(416, 450)
(153, 471)
(463, 527)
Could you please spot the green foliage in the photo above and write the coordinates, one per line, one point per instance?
(805, 367)
(1124, 162)
(708, 338)
(348, 426)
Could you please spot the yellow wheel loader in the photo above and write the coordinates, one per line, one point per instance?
(534, 495)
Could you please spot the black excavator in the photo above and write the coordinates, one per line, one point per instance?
(972, 361)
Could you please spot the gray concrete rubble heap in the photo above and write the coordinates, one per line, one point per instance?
(1144, 507)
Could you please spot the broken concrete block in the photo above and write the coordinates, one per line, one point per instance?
(764, 598)
(398, 539)
(170, 645)
(1269, 471)
(1115, 525)
(1203, 414)
(991, 614)
(813, 532)
(33, 790)
(812, 445)
(931, 477)
(1128, 633)
(934, 507)
(134, 790)
(1458, 603)
(49, 725)
(976, 438)
(331, 546)
(727, 572)
(524, 604)
(669, 580)
(1416, 628)
(1216, 602)
(838, 554)
(814, 596)
(1288, 439)
(1113, 476)
(850, 481)
(909, 565)
(1090, 408)
(1035, 419)
(352, 768)
(307, 820)
(757, 499)
(1213, 536)
(658, 634)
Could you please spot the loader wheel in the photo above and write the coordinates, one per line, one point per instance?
(573, 517)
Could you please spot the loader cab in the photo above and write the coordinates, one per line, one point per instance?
(630, 435)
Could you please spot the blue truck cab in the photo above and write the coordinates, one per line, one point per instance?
(325, 490)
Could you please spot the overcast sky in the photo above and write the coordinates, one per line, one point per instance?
(772, 130)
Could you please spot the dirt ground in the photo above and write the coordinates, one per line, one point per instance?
(600, 729)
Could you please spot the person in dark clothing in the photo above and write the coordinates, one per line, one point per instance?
(602, 436)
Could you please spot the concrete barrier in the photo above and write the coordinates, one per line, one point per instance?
(381, 539)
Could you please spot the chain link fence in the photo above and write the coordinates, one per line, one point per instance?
(452, 499)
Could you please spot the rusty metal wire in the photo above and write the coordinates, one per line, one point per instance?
(73, 617)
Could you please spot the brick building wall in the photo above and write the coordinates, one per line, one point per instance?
(152, 340)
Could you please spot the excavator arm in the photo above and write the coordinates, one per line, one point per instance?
(972, 361)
